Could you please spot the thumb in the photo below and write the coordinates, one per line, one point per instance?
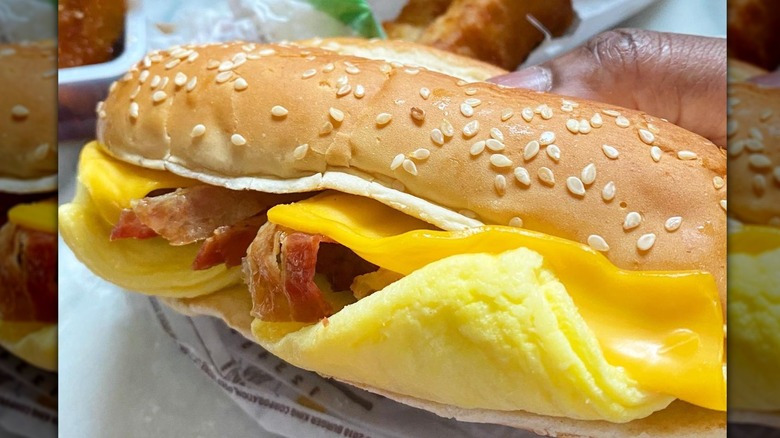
(681, 78)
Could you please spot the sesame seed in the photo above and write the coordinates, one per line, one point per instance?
(329, 67)
(723, 204)
(279, 111)
(547, 137)
(212, 64)
(554, 152)
(500, 160)
(756, 133)
(237, 139)
(471, 128)
(760, 161)
(646, 136)
(718, 182)
(477, 148)
(610, 152)
(598, 243)
(687, 155)
(673, 223)
(397, 161)
(575, 186)
(596, 121)
(360, 91)
(164, 82)
(193, 56)
(759, 184)
(420, 154)
(516, 222)
(383, 118)
(507, 114)
(466, 110)
(437, 136)
(655, 153)
(344, 90)
(342, 80)
(776, 173)
(417, 114)
(546, 113)
(530, 150)
(573, 126)
(446, 128)
(494, 145)
(172, 64)
(300, 152)
(608, 192)
(522, 176)
(645, 242)
(622, 122)
(20, 111)
(135, 92)
(159, 96)
(496, 133)
(192, 83)
(735, 148)
(410, 167)
(753, 145)
(546, 176)
(610, 112)
(143, 76)
(584, 126)
(266, 52)
(412, 71)
(470, 91)
(309, 73)
(633, 219)
(198, 130)
(352, 70)
(425, 93)
(134, 110)
(766, 114)
(500, 184)
(588, 174)
(527, 114)
(240, 84)
(461, 83)
(472, 101)
(180, 79)
(155, 81)
(224, 76)
(336, 114)
(326, 128)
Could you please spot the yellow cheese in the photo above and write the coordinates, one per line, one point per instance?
(40, 216)
(664, 328)
(113, 184)
(754, 318)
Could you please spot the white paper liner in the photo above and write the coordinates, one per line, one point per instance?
(28, 398)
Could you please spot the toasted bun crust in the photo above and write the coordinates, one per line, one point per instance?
(28, 132)
(754, 153)
(287, 116)
(678, 420)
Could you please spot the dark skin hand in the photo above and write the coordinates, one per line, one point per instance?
(681, 78)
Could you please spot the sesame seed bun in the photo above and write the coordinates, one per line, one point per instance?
(452, 151)
(754, 153)
(739, 71)
(28, 134)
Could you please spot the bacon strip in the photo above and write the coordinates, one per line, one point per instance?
(130, 227)
(228, 244)
(287, 292)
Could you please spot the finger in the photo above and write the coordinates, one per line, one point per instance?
(681, 78)
(768, 80)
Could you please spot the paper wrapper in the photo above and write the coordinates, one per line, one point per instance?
(28, 398)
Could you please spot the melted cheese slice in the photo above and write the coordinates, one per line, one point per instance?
(664, 328)
(754, 317)
(39, 216)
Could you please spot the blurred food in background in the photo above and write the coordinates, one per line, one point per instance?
(496, 31)
(753, 32)
(89, 31)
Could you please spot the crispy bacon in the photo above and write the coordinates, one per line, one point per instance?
(28, 274)
(228, 244)
(130, 227)
(287, 292)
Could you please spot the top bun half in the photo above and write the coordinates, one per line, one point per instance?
(444, 147)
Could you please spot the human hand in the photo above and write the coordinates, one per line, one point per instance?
(681, 78)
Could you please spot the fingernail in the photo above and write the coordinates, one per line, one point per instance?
(768, 80)
(536, 78)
